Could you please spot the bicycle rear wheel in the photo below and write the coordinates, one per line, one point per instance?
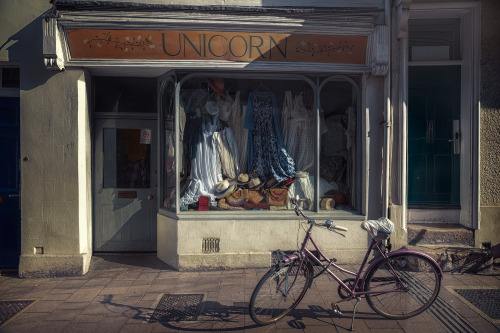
(408, 283)
(279, 291)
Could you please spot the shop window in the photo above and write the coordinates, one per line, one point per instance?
(434, 39)
(127, 95)
(249, 144)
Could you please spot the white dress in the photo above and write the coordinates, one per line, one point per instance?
(205, 168)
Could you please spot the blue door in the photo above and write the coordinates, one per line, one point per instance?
(10, 217)
(433, 136)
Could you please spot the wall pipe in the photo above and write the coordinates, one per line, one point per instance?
(387, 116)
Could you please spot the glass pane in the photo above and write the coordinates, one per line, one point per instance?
(434, 40)
(10, 77)
(130, 95)
(126, 158)
(338, 146)
(246, 144)
(168, 105)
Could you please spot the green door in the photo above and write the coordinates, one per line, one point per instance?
(434, 136)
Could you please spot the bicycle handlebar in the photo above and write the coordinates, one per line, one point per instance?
(328, 223)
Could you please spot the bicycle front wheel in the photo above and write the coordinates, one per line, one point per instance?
(279, 291)
(402, 286)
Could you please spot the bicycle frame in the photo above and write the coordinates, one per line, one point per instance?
(358, 286)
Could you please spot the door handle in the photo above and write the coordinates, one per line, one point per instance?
(456, 137)
(14, 195)
(150, 197)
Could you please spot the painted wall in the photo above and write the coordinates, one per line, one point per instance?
(490, 124)
(55, 172)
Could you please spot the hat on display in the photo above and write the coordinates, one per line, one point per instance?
(212, 108)
(254, 183)
(224, 188)
(217, 85)
(327, 204)
(243, 179)
(224, 109)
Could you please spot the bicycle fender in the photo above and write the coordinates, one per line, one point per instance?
(404, 251)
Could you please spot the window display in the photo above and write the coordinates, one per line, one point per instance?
(248, 144)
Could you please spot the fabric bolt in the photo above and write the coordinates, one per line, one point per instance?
(268, 156)
(205, 167)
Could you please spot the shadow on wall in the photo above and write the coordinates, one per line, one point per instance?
(26, 47)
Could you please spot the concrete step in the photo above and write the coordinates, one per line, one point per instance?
(444, 234)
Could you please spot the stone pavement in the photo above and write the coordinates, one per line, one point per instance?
(121, 293)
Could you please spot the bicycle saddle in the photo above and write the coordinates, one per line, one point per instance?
(380, 229)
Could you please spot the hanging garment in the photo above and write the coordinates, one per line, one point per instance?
(299, 136)
(268, 156)
(228, 152)
(236, 122)
(205, 167)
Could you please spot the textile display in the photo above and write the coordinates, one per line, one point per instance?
(268, 156)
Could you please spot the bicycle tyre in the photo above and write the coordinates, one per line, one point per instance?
(419, 276)
(268, 304)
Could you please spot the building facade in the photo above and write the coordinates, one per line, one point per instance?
(184, 129)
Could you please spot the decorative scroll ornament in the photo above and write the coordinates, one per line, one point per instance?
(380, 50)
(52, 46)
(402, 9)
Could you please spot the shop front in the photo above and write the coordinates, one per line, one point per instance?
(203, 130)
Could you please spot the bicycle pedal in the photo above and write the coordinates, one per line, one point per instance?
(336, 309)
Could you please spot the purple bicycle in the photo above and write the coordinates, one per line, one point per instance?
(397, 285)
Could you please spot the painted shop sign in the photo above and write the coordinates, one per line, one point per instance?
(215, 45)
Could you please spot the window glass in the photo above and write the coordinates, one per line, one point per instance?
(434, 40)
(126, 159)
(10, 77)
(168, 105)
(249, 144)
(338, 146)
(130, 95)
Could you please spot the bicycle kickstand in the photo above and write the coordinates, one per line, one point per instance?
(358, 299)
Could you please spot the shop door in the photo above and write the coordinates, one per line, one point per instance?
(434, 136)
(10, 218)
(125, 185)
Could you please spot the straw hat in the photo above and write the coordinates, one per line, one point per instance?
(217, 85)
(327, 204)
(254, 183)
(224, 188)
(243, 179)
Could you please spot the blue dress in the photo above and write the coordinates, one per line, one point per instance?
(268, 156)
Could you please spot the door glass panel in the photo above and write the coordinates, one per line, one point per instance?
(126, 158)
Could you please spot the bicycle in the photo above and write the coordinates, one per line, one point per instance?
(397, 285)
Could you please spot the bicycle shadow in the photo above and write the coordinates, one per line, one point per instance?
(218, 317)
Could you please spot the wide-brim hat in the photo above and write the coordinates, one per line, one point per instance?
(224, 109)
(254, 183)
(224, 188)
(212, 108)
(243, 179)
(217, 85)
(327, 204)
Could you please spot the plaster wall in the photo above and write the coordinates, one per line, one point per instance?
(489, 228)
(249, 243)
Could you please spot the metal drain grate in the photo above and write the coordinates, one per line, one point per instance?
(9, 309)
(177, 307)
(486, 300)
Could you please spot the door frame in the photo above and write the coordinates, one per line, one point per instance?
(154, 185)
(470, 19)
